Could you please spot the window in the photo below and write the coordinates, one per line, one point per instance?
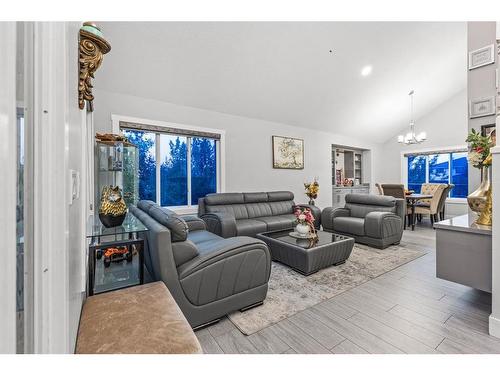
(417, 171)
(146, 143)
(175, 169)
(439, 168)
(203, 167)
(459, 175)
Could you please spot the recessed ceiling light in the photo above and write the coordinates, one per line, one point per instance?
(366, 71)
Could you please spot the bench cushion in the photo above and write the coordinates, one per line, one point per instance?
(140, 320)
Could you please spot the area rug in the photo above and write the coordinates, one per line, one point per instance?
(290, 292)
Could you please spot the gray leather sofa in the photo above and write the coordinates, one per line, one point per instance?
(370, 219)
(209, 276)
(246, 214)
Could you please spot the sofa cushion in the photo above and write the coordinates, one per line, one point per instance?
(202, 236)
(275, 196)
(177, 226)
(238, 211)
(371, 199)
(278, 222)
(216, 199)
(255, 197)
(250, 227)
(184, 251)
(258, 209)
(194, 223)
(281, 208)
(145, 205)
(353, 225)
(360, 211)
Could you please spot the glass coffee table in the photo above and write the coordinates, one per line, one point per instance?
(308, 256)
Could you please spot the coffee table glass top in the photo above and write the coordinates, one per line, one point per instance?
(324, 238)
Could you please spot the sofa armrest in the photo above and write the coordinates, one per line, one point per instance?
(383, 224)
(225, 249)
(227, 267)
(331, 213)
(220, 223)
(194, 223)
(316, 212)
(401, 208)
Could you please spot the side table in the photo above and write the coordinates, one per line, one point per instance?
(118, 269)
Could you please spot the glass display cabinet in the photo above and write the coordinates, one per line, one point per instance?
(118, 165)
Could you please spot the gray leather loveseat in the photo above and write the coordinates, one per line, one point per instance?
(371, 219)
(246, 214)
(209, 276)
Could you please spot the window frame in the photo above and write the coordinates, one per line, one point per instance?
(438, 150)
(220, 154)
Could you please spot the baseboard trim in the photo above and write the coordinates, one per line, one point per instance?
(494, 326)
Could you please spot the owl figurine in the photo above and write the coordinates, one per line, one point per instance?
(112, 210)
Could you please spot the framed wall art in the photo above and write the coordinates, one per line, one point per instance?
(288, 153)
(489, 131)
(482, 107)
(481, 57)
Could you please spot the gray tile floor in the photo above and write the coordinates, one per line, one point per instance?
(407, 310)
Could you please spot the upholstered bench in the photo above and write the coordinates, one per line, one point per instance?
(139, 320)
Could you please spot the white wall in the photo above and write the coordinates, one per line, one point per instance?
(446, 126)
(248, 143)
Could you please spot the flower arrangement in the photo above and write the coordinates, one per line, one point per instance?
(312, 190)
(479, 149)
(305, 217)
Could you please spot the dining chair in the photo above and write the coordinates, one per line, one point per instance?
(396, 191)
(431, 206)
(442, 202)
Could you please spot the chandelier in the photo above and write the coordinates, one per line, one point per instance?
(411, 138)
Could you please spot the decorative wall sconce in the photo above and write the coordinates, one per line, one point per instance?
(92, 47)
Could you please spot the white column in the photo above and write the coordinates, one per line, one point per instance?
(495, 308)
(495, 254)
(8, 161)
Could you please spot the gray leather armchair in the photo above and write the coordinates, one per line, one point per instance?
(371, 219)
(209, 276)
(247, 214)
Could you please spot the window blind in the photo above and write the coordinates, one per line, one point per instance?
(167, 130)
(449, 151)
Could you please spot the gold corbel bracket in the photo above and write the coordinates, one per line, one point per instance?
(92, 48)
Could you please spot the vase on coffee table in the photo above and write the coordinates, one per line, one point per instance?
(302, 229)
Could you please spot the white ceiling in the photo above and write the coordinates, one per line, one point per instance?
(284, 72)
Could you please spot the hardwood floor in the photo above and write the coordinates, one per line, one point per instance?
(406, 310)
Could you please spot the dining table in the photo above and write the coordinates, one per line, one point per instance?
(411, 201)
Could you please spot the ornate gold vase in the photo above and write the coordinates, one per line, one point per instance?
(480, 200)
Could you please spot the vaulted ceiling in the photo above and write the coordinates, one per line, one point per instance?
(285, 72)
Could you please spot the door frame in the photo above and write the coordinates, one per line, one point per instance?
(8, 187)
